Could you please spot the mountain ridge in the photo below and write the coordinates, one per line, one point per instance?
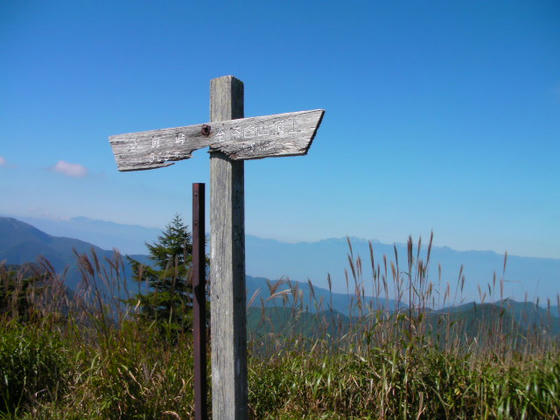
(274, 259)
(28, 243)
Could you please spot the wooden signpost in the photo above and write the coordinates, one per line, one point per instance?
(231, 139)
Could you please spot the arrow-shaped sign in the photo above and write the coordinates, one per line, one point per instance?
(247, 138)
(231, 139)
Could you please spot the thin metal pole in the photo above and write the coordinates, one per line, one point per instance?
(199, 306)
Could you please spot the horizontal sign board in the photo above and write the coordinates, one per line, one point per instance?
(288, 134)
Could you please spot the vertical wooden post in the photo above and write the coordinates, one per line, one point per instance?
(199, 292)
(227, 267)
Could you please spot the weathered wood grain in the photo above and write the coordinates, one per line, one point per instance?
(231, 139)
(288, 134)
(227, 264)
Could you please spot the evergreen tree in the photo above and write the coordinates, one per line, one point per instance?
(169, 299)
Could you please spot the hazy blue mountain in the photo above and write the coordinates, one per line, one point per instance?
(538, 277)
(128, 239)
(272, 259)
(22, 243)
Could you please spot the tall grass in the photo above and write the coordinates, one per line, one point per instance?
(483, 328)
(92, 358)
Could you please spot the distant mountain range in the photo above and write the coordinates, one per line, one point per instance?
(128, 239)
(272, 259)
(538, 277)
(21, 243)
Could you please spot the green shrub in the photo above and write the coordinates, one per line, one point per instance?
(33, 366)
(134, 374)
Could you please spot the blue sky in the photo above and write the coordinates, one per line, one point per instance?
(440, 116)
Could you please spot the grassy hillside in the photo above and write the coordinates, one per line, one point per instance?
(287, 322)
(448, 327)
(84, 366)
(83, 357)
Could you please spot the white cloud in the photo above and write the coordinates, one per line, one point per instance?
(2, 161)
(74, 170)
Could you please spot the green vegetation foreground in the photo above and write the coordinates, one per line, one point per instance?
(49, 374)
(84, 357)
